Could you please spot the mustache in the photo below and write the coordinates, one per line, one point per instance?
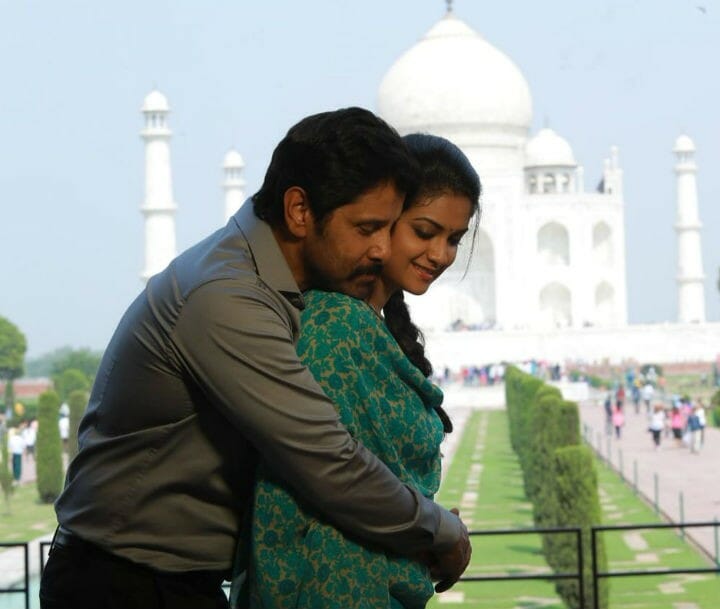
(370, 269)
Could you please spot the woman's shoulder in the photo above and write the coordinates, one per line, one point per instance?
(327, 308)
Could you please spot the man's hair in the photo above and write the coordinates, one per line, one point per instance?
(334, 157)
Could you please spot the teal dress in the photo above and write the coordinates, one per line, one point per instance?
(299, 560)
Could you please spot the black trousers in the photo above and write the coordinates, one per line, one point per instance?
(80, 575)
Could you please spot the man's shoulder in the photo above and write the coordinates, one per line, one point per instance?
(223, 255)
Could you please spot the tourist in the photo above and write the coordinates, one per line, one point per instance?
(202, 372)
(608, 405)
(16, 446)
(657, 424)
(648, 391)
(702, 419)
(369, 360)
(694, 429)
(618, 420)
(636, 397)
(64, 428)
(30, 437)
(677, 424)
(620, 396)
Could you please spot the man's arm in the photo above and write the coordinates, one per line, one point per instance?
(237, 345)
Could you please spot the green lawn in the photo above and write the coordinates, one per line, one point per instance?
(484, 455)
(25, 518)
(485, 464)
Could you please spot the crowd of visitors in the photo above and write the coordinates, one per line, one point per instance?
(679, 419)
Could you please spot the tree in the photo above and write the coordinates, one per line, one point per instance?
(48, 448)
(85, 360)
(70, 380)
(6, 477)
(77, 401)
(12, 356)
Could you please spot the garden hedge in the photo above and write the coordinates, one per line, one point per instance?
(48, 448)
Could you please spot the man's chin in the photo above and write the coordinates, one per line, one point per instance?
(360, 287)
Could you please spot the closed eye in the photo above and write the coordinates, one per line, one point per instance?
(423, 234)
(368, 228)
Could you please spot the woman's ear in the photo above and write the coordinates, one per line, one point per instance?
(298, 217)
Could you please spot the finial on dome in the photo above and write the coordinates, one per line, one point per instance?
(449, 6)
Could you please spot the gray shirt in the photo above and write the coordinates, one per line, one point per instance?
(199, 378)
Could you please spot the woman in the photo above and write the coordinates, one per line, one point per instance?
(657, 424)
(677, 424)
(370, 361)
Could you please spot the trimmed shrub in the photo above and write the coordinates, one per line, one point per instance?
(520, 389)
(568, 424)
(542, 442)
(645, 368)
(576, 503)
(77, 401)
(48, 448)
(555, 423)
(70, 380)
(715, 408)
(6, 477)
(716, 416)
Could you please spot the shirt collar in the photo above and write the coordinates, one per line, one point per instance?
(270, 262)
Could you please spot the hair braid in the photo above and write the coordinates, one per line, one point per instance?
(411, 341)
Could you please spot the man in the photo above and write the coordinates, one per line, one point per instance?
(17, 449)
(202, 374)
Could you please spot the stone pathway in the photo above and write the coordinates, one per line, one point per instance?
(685, 481)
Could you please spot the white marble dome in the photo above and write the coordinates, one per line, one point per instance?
(548, 149)
(233, 160)
(453, 77)
(684, 144)
(155, 102)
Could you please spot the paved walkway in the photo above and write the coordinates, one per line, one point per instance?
(682, 476)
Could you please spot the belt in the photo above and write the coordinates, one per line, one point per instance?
(67, 539)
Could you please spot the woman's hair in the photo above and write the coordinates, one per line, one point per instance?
(444, 169)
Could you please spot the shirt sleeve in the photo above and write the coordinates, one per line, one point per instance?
(236, 342)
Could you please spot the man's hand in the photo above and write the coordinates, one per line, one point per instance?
(450, 565)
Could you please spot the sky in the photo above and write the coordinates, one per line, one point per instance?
(631, 73)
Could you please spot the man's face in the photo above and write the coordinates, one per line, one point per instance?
(347, 253)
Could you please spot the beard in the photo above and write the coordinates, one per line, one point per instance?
(358, 283)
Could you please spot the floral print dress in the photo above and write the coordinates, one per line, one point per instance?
(299, 560)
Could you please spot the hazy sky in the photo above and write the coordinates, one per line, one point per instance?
(238, 73)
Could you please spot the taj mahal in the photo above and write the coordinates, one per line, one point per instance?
(545, 276)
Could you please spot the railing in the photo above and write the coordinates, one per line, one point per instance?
(26, 573)
(577, 574)
(598, 575)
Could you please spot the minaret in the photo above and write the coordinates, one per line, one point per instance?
(159, 207)
(690, 276)
(612, 174)
(234, 183)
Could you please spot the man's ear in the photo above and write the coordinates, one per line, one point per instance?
(298, 217)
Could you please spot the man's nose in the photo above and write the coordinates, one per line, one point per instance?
(380, 250)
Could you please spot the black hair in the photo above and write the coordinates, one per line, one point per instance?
(334, 157)
(444, 169)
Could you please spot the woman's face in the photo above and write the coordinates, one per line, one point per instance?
(425, 241)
